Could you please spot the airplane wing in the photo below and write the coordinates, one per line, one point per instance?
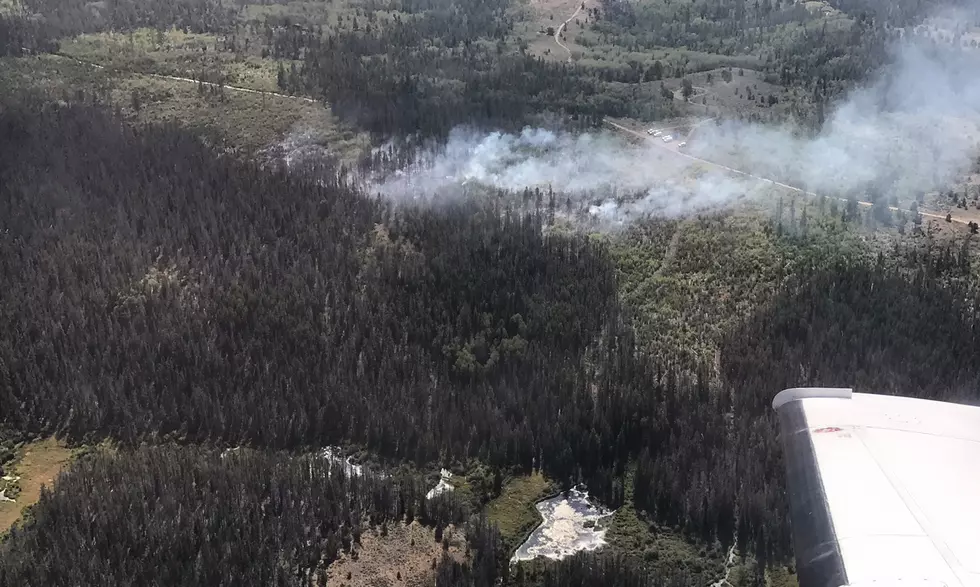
(883, 490)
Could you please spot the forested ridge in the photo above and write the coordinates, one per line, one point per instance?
(62, 18)
(36, 26)
(448, 65)
(431, 67)
(194, 517)
(156, 290)
(176, 300)
(203, 265)
(401, 67)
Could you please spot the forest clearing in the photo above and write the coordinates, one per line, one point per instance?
(36, 465)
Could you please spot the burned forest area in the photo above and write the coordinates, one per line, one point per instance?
(204, 323)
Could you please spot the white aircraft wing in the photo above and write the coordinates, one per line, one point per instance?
(883, 490)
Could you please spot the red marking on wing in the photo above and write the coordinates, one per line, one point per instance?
(827, 429)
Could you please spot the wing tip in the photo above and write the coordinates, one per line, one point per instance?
(797, 393)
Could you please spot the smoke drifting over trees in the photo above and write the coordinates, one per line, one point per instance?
(911, 129)
(590, 168)
(155, 290)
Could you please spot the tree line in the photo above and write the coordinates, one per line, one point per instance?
(72, 17)
(790, 44)
(178, 294)
(190, 515)
(193, 516)
(37, 25)
(157, 290)
(443, 65)
(580, 570)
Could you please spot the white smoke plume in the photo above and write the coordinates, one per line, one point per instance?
(621, 181)
(913, 127)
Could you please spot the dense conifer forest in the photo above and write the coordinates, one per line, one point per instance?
(197, 517)
(173, 299)
(155, 290)
(388, 79)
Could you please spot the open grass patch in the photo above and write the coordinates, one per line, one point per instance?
(395, 554)
(180, 54)
(50, 77)
(513, 511)
(35, 465)
(235, 119)
(327, 14)
(781, 577)
(687, 293)
(660, 549)
(10, 6)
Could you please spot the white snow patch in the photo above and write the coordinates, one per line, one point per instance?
(4, 498)
(570, 524)
(443, 485)
(333, 455)
(228, 451)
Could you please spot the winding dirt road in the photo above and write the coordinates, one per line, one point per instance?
(644, 137)
(561, 27)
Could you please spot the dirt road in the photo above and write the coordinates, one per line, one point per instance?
(561, 27)
(193, 81)
(671, 251)
(673, 148)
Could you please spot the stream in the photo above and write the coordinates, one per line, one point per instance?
(729, 563)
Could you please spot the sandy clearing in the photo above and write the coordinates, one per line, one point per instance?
(39, 465)
(403, 557)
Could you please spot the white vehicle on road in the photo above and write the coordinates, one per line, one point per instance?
(658, 133)
(651, 131)
(682, 144)
(668, 138)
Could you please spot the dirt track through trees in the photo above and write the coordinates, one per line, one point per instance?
(671, 251)
(193, 81)
(615, 125)
(562, 26)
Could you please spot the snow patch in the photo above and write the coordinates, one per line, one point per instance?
(333, 455)
(443, 485)
(570, 524)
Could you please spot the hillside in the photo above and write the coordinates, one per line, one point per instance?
(273, 270)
